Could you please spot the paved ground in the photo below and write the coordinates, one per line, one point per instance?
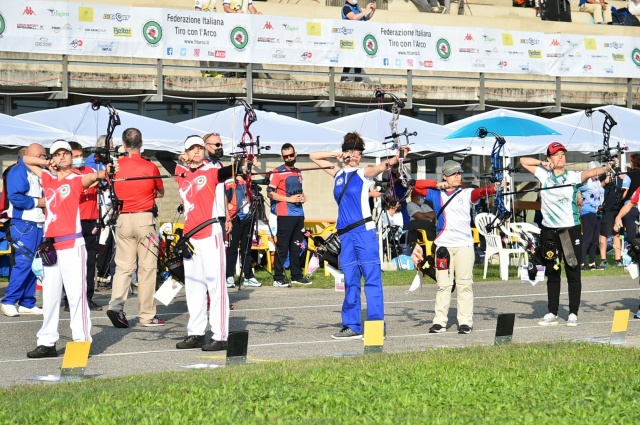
(297, 323)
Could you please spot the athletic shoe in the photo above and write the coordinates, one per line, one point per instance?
(592, 266)
(154, 323)
(637, 315)
(252, 282)
(214, 345)
(118, 319)
(549, 319)
(281, 284)
(9, 310)
(603, 265)
(192, 341)
(583, 267)
(572, 320)
(346, 333)
(231, 283)
(94, 307)
(464, 329)
(42, 351)
(301, 281)
(618, 263)
(32, 310)
(437, 329)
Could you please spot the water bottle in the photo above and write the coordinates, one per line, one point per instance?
(165, 276)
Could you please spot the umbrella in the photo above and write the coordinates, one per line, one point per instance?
(505, 126)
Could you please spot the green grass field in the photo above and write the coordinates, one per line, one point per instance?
(562, 383)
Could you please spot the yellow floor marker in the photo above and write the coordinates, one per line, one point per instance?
(373, 336)
(619, 327)
(74, 363)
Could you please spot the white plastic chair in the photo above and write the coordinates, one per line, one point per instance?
(494, 246)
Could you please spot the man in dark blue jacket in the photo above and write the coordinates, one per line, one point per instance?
(26, 210)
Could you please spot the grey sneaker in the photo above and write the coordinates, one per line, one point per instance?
(549, 319)
(603, 265)
(346, 333)
(281, 284)
(231, 283)
(253, 282)
(618, 263)
(572, 320)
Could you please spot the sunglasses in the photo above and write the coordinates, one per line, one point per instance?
(217, 145)
(293, 155)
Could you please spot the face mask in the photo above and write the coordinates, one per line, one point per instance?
(217, 155)
(77, 162)
(355, 2)
(36, 267)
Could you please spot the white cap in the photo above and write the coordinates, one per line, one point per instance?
(193, 141)
(592, 165)
(59, 144)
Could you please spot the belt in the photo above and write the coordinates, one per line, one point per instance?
(136, 212)
(67, 238)
(354, 225)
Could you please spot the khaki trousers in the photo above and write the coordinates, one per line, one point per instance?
(134, 251)
(461, 269)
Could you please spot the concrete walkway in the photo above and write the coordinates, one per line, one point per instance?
(297, 323)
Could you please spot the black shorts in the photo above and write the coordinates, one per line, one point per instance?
(608, 220)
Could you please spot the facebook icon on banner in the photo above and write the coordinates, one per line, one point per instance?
(169, 51)
(385, 61)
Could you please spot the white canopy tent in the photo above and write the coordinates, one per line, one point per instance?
(85, 125)
(626, 129)
(274, 130)
(16, 132)
(374, 127)
(574, 138)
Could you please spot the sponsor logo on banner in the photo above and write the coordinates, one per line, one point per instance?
(169, 51)
(489, 39)
(116, 17)
(468, 37)
(268, 40)
(267, 26)
(586, 67)
(122, 32)
(492, 51)
(515, 52)
(85, 14)
(507, 39)
(29, 11)
(590, 44)
(478, 63)
(576, 55)
(306, 55)
(278, 54)
(2, 25)
(427, 64)
(346, 44)
(76, 44)
(443, 48)
(410, 62)
(618, 57)
(183, 51)
(42, 43)
(314, 29)
(239, 38)
(609, 70)
(554, 43)
(196, 53)
(342, 30)
(288, 27)
(322, 43)
(107, 47)
(598, 56)
(36, 27)
(572, 43)
(335, 58)
(614, 45)
(564, 67)
(524, 66)
(65, 27)
(220, 54)
(57, 13)
(296, 40)
(530, 41)
(152, 32)
(93, 30)
(535, 54)
(635, 57)
(502, 64)
(555, 55)
(370, 45)
(398, 62)
(468, 50)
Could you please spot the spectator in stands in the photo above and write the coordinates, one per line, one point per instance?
(236, 6)
(429, 6)
(351, 11)
(634, 7)
(26, 210)
(615, 189)
(598, 9)
(206, 6)
(591, 216)
(209, 6)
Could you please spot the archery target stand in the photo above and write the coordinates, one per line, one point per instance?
(74, 364)
(373, 336)
(504, 328)
(237, 344)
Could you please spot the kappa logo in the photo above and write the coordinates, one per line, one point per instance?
(267, 26)
(468, 37)
(555, 43)
(28, 11)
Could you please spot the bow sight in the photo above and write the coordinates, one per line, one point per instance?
(104, 155)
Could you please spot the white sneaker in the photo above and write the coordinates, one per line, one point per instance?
(9, 310)
(572, 320)
(253, 282)
(32, 310)
(549, 319)
(231, 282)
